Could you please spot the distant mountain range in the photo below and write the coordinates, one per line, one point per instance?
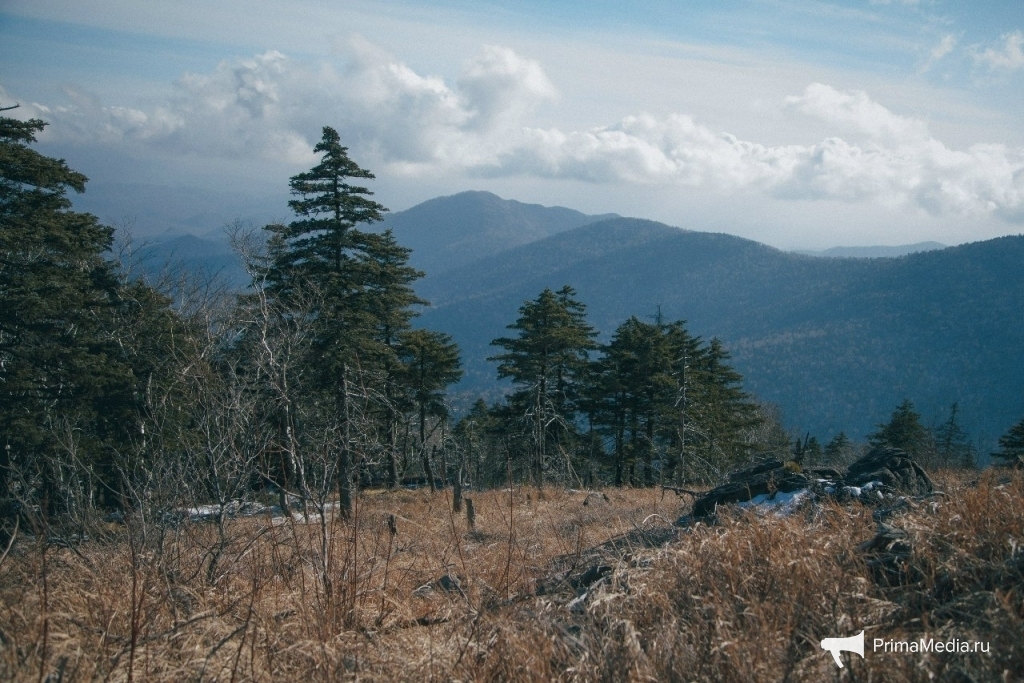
(448, 232)
(836, 343)
(873, 252)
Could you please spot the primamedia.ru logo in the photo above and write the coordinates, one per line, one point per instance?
(929, 645)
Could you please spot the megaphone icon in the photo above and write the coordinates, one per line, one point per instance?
(851, 644)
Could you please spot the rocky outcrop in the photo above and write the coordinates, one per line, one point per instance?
(882, 472)
(893, 468)
(766, 477)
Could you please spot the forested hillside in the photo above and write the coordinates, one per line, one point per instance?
(836, 343)
(449, 232)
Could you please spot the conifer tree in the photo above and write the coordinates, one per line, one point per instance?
(58, 364)
(952, 448)
(838, 449)
(725, 410)
(360, 281)
(904, 431)
(430, 362)
(638, 384)
(546, 360)
(1011, 444)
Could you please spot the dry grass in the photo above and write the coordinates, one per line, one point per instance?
(549, 588)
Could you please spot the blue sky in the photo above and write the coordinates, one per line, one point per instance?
(798, 124)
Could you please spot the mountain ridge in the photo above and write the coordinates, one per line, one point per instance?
(837, 343)
(442, 238)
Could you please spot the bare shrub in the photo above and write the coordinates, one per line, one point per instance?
(542, 589)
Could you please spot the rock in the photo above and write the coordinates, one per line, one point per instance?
(765, 477)
(827, 473)
(892, 467)
(764, 466)
(593, 574)
(888, 555)
(881, 474)
(449, 583)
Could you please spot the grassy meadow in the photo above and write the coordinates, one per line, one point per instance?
(552, 585)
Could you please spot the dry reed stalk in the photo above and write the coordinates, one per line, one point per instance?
(745, 599)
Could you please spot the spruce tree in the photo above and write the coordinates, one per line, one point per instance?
(1011, 446)
(904, 431)
(952, 447)
(636, 372)
(839, 449)
(356, 279)
(430, 362)
(546, 360)
(725, 411)
(58, 364)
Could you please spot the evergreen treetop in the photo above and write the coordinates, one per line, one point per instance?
(904, 431)
(1011, 445)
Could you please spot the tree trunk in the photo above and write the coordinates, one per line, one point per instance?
(539, 416)
(393, 457)
(457, 491)
(428, 471)
(344, 456)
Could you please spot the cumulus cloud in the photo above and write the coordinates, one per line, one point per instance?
(420, 123)
(939, 51)
(1008, 56)
(882, 157)
(271, 107)
(399, 121)
(943, 47)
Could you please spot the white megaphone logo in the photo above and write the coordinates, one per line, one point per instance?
(851, 644)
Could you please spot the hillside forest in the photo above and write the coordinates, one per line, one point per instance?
(120, 391)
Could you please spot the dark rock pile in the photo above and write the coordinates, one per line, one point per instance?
(882, 473)
(764, 478)
(891, 467)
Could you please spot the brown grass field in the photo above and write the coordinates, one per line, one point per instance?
(558, 586)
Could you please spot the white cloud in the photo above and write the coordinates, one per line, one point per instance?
(856, 111)
(943, 47)
(271, 107)
(1009, 56)
(401, 122)
(895, 162)
(939, 51)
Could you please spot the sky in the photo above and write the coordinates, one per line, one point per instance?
(795, 123)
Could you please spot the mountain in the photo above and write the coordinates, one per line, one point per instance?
(447, 232)
(152, 212)
(443, 233)
(203, 259)
(836, 343)
(874, 252)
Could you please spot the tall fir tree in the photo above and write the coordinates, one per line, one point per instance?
(904, 431)
(58, 364)
(952, 446)
(546, 360)
(637, 383)
(430, 362)
(359, 281)
(725, 412)
(1011, 446)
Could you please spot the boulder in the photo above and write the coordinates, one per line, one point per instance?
(882, 473)
(893, 468)
(763, 478)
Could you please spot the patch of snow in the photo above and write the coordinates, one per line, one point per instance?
(778, 502)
